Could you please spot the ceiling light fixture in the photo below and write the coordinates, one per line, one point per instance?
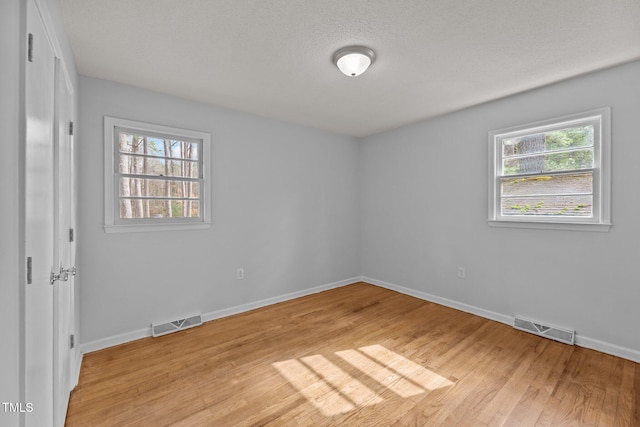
(354, 60)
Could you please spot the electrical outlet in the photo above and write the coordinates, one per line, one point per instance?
(240, 273)
(462, 272)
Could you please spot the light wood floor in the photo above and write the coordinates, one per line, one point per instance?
(356, 355)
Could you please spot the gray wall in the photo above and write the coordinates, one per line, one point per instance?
(299, 208)
(423, 204)
(284, 209)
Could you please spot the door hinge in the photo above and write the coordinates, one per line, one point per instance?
(72, 341)
(30, 48)
(70, 128)
(29, 270)
(71, 235)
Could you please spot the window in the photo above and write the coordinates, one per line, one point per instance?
(552, 174)
(156, 177)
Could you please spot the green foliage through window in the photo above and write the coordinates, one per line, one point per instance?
(553, 151)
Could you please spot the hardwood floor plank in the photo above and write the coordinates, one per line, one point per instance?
(625, 411)
(636, 398)
(612, 373)
(514, 388)
(356, 355)
(529, 408)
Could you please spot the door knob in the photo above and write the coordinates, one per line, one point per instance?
(63, 275)
(59, 276)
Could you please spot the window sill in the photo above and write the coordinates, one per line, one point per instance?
(570, 226)
(136, 228)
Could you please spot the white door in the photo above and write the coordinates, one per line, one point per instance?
(64, 241)
(39, 226)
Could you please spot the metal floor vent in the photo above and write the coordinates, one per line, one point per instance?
(548, 331)
(158, 329)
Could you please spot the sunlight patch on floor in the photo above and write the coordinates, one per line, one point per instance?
(314, 388)
(351, 388)
(385, 376)
(333, 391)
(418, 374)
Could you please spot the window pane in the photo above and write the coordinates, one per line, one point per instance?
(528, 144)
(564, 139)
(134, 187)
(551, 162)
(561, 139)
(176, 149)
(143, 144)
(566, 206)
(579, 183)
(139, 165)
(141, 208)
(129, 143)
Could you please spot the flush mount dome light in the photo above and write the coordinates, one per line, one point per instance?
(353, 60)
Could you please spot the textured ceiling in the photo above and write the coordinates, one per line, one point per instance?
(273, 57)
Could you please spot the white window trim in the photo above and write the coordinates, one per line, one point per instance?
(601, 220)
(113, 224)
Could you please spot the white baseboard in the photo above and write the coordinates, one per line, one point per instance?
(114, 340)
(487, 314)
(586, 342)
(582, 341)
(605, 347)
(269, 301)
(146, 332)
